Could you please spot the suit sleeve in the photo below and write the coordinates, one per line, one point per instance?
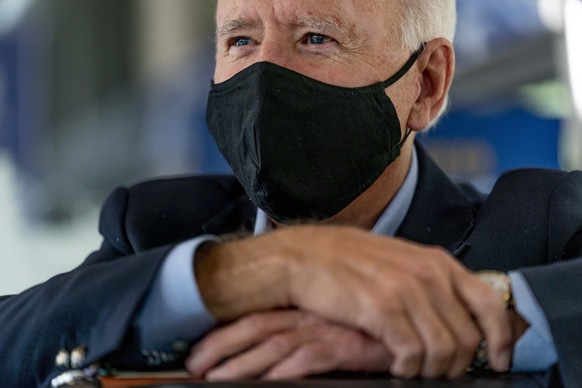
(91, 307)
(557, 287)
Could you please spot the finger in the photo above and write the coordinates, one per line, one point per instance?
(491, 315)
(354, 351)
(308, 359)
(467, 338)
(406, 347)
(461, 335)
(438, 341)
(235, 338)
(437, 276)
(257, 360)
(383, 315)
(386, 319)
(464, 330)
(447, 330)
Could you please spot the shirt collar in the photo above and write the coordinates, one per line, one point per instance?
(391, 218)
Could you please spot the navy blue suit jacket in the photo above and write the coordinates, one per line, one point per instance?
(532, 221)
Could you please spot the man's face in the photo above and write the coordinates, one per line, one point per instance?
(348, 43)
(341, 42)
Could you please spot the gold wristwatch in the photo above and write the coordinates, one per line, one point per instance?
(501, 283)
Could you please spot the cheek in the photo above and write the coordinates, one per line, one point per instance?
(327, 74)
(339, 74)
(220, 75)
(226, 69)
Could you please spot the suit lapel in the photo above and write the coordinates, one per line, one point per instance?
(238, 216)
(442, 212)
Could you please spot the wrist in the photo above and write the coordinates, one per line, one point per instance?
(501, 283)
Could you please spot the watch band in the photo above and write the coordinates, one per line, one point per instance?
(501, 283)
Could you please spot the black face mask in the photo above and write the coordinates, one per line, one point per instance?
(301, 148)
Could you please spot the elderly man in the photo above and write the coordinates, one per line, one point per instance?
(363, 251)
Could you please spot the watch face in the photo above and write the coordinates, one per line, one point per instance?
(499, 281)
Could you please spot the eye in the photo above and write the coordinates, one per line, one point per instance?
(317, 39)
(240, 42)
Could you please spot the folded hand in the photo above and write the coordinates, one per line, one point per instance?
(285, 344)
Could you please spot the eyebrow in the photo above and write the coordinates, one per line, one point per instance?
(326, 24)
(231, 26)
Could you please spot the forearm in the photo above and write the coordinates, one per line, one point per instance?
(243, 276)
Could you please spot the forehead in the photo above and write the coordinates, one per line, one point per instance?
(352, 14)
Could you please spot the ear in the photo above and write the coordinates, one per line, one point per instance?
(435, 66)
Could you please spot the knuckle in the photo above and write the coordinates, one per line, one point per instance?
(255, 321)
(374, 304)
(439, 254)
(407, 361)
(439, 359)
(280, 344)
(351, 343)
(458, 372)
(402, 284)
(393, 286)
(309, 354)
(304, 319)
(441, 349)
(427, 272)
(489, 301)
(470, 341)
(379, 310)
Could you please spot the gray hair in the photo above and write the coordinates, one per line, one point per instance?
(424, 20)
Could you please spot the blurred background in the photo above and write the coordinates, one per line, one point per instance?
(100, 93)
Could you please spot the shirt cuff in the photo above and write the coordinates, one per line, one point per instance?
(535, 350)
(174, 309)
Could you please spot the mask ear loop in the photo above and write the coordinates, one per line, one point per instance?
(404, 69)
(406, 135)
(399, 74)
